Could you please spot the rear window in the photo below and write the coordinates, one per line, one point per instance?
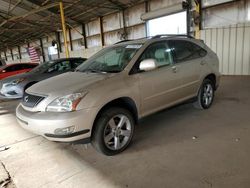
(185, 50)
(12, 68)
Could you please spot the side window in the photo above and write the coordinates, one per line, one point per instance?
(29, 66)
(76, 63)
(160, 52)
(13, 68)
(185, 50)
(60, 66)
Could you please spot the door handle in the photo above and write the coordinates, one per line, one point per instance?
(174, 69)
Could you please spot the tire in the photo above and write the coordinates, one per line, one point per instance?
(113, 131)
(205, 95)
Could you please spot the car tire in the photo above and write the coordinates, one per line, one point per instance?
(113, 131)
(205, 95)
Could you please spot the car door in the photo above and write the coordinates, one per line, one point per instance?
(159, 87)
(188, 61)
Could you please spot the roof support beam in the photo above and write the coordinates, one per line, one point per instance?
(42, 50)
(59, 47)
(19, 52)
(11, 52)
(6, 59)
(84, 36)
(64, 30)
(29, 13)
(70, 40)
(14, 6)
(101, 31)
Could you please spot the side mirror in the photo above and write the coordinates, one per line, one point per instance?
(148, 65)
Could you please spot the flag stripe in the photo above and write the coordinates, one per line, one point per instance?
(33, 55)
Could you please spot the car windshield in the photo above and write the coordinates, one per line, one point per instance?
(43, 67)
(110, 60)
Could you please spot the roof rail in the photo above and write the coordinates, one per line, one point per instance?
(122, 41)
(172, 35)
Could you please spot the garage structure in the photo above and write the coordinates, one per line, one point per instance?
(185, 147)
(94, 25)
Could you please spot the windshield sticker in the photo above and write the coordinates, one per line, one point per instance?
(134, 46)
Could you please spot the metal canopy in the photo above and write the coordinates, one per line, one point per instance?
(22, 21)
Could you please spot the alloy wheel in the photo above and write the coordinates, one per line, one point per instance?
(117, 132)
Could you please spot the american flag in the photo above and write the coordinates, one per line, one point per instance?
(34, 57)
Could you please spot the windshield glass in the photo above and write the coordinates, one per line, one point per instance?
(43, 67)
(111, 60)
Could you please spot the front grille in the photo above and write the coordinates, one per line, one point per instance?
(31, 100)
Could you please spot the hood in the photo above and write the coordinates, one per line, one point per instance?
(15, 77)
(66, 83)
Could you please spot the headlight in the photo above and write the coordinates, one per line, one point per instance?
(17, 81)
(67, 103)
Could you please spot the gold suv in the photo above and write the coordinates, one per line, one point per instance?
(104, 98)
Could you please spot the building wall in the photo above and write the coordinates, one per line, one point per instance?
(113, 31)
(225, 30)
(232, 45)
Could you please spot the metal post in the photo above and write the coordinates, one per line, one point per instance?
(84, 36)
(42, 50)
(101, 31)
(6, 59)
(197, 26)
(124, 25)
(70, 40)
(59, 46)
(11, 52)
(19, 52)
(146, 10)
(189, 16)
(64, 30)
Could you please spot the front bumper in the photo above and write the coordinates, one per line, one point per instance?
(45, 123)
(8, 91)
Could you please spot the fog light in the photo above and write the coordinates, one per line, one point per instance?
(64, 131)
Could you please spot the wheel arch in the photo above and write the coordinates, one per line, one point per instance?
(211, 77)
(123, 102)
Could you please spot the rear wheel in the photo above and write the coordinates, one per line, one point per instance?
(113, 131)
(206, 95)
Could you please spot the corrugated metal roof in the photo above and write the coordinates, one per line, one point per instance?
(15, 30)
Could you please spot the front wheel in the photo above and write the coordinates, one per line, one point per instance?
(206, 95)
(113, 131)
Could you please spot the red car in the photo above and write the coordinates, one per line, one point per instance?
(17, 68)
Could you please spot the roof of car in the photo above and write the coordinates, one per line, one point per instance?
(143, 40)
(8, 65)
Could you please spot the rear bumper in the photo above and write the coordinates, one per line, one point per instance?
(46, 124)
